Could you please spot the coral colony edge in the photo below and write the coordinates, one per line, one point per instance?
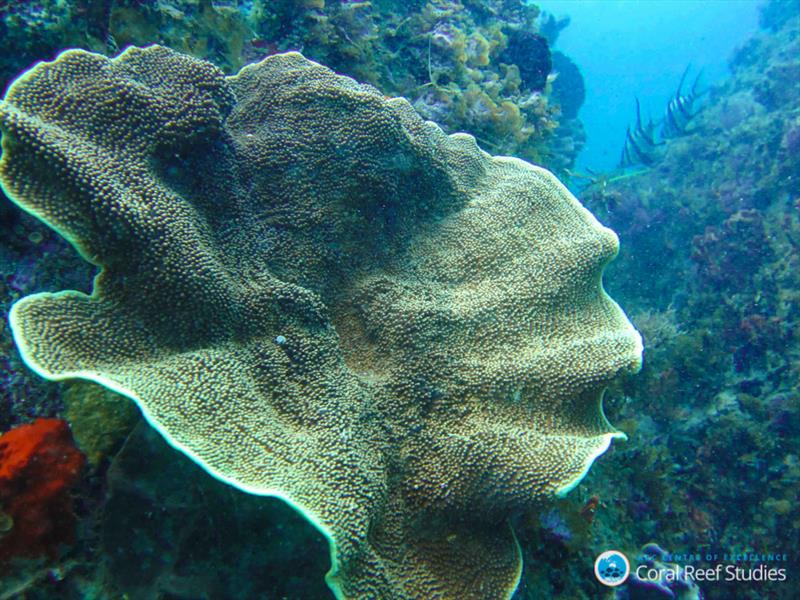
(317, 295)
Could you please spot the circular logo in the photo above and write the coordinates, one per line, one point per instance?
(612, 568)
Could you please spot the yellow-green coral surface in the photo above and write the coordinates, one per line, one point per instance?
(318, 296)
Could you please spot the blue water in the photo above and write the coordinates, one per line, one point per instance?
(628, 48)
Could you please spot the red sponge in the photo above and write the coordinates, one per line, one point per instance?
(38, 464)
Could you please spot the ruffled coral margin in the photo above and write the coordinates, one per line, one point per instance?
(605, 440)
(518, 577)
(601, 448)
(331, 577)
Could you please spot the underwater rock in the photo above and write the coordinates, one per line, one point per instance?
(100, 419)
(716, 222)
(550, 27)
(531, 54)
(729, 256)
(775, 14)
(447, 336)
(196, 537)
(664, 583)
(569, 90)
(38, 465)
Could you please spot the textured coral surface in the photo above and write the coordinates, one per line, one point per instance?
(317, 295)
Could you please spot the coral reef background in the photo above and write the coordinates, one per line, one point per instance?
(639, 49)
(709, 272)
(477, 66)
(712, 463)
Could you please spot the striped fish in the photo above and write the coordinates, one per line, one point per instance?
(680, 110)
(640, 145)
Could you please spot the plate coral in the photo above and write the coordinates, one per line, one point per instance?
(317, 295)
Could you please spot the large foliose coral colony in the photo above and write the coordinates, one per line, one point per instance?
(407, 390)
(721, 369)
(357, 398)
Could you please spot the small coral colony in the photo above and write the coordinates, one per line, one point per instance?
(279, 303)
